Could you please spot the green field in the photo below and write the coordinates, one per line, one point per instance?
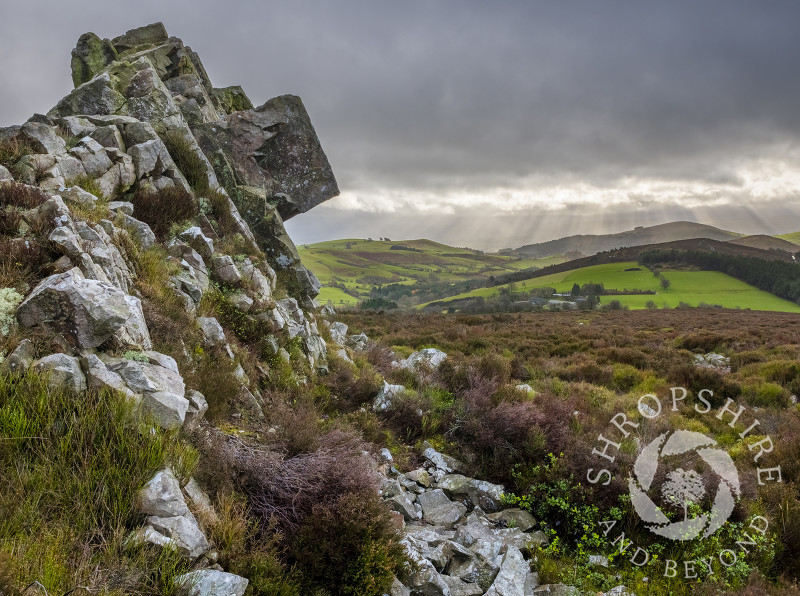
(793, 237)
(690, 287)
(359, 265)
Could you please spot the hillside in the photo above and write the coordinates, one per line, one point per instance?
(765, 242)
(349, 269)
(591, 244)
(631, 280)
(794, 237)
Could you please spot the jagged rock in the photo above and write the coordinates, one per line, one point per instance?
(90, 56)
(442, 462)
(64, 372)
(598, 560)
(213, 333)
(230, 99)
(199, 499)
(259, 285)
(430, 357)
(513, 518)
(150, 158)
(149, 35)
(513, 574)
(420, 476)
(140, 231)
(123, 207)
(423, 577)
(210, 582)
(359, 342)
(458, 587)
(39, 136)
(75, 194)
(241, 301)
(481, 493)
(198, 406)
(93, 156)
(338, 332)
(86, 311)
(184, 530)
(398, 589)
(20, 360)
(135, 331)
(162, 496)
(439, 510)
(195, 238)
(404, 505)
(162, 390)
(191, 96)
(224, 270)
(272, 148)
(99, 377)
(386, 395)
(67, 241)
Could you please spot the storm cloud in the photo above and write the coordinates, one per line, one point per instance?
(490, 124)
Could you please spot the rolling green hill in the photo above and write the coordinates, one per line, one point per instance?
(794, 237)
(349, 269)
(689, 287)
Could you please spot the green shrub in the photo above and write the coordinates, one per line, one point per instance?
(625, 377)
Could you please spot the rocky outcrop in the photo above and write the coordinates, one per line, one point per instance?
(459, 549)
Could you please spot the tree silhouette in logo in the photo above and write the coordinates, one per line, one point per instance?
(683, 487)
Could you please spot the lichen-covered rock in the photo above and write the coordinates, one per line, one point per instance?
(90, 56)
(9, 301)
(511, 579)
(439, 510)
(85, 311)
(210, 582)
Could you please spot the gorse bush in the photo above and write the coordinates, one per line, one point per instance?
(161, 209)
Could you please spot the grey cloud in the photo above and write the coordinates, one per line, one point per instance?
(437, 95)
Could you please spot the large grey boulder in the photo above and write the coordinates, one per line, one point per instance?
(210, 582)
(422, 577)
(482, 494)
(148, 35)
(274, 149)
(63, 372)
(338, 332)
(458, 587)
(439, 510)
(195, 238)
(224, 270)
(85, 311)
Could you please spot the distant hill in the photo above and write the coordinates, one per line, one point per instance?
(350, 269)
(794, 237)
(591, 244)
(766, 243)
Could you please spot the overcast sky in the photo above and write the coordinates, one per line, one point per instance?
(489, 124)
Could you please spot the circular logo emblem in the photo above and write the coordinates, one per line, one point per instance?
(680, 488)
